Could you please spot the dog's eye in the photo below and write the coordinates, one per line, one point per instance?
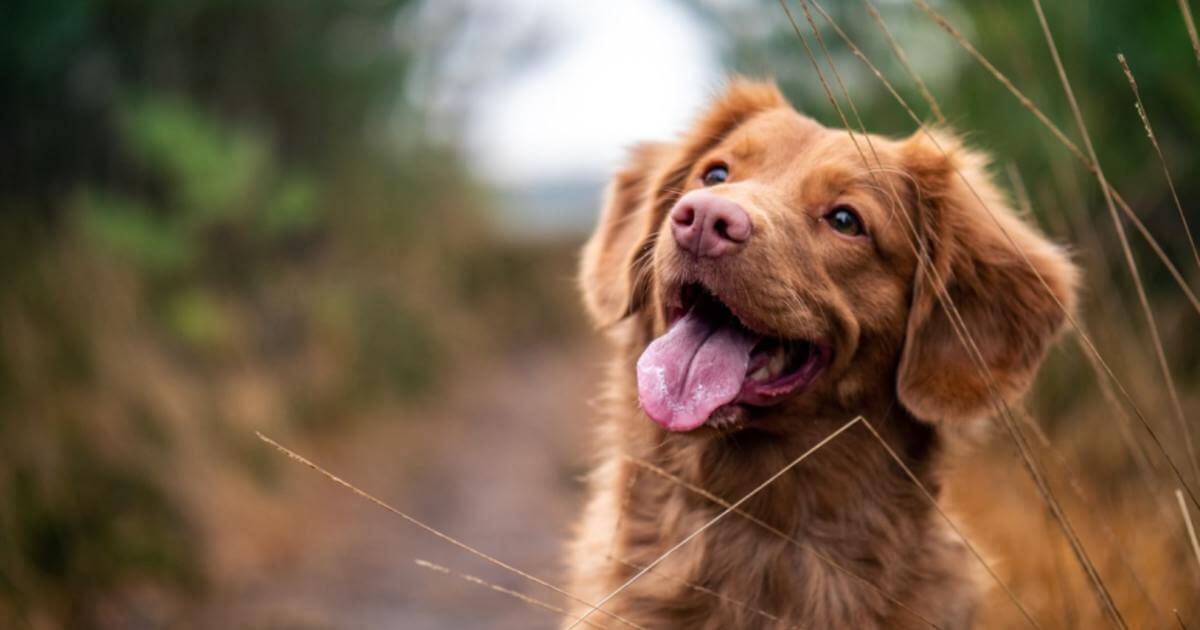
(715, 175)
(843, 220)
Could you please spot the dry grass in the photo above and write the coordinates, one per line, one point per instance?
(1142, 566)
(1162, 159)
(1190, 24)
(1187, 520)
(1143, 299)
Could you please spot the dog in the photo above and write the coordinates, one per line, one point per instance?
(765, 280)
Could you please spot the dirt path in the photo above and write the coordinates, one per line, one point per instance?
(496, 464)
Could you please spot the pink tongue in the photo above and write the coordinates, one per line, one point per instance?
(697, 366)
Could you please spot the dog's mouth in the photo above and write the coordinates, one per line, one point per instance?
(709, 366)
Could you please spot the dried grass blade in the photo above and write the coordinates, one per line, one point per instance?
(1190, 24)
(446, 537)
(1141, 110)
(898, 50)
(1187, 519)
(532, 601)
(1143, 299)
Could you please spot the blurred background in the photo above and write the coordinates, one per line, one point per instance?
(352, 225)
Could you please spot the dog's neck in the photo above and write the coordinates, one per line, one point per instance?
(830, 467)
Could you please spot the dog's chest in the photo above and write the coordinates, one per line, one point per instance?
(746, 574)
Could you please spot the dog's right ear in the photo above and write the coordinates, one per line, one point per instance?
(992, 297)
(608, 271)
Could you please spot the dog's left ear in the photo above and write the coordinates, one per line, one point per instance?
(1011, 288)
(607, 272)
(613, 270)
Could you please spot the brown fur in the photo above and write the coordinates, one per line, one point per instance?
(898, 363)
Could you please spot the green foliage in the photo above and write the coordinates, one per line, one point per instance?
(131, 230)
(224, 194)
(197, 318)
(291, 210)
(216, 181)
(210, 172)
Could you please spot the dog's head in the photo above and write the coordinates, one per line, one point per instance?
(775, 268)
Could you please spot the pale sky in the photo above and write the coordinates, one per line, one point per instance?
(608, 74)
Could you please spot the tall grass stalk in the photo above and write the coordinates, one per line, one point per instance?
(1141, 110)
(1190, 25)
(1187, 519)
(1147, 311)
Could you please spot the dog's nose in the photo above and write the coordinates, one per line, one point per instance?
(708, 225)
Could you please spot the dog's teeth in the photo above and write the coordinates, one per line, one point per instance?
(777, 362)
(760, 374)
(722, 418)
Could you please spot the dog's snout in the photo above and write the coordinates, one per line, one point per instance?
(708, 225)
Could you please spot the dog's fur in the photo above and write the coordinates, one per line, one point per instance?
(853, 516)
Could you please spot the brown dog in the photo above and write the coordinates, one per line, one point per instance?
(762, 286)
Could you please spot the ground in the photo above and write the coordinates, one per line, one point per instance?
(497, 465)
